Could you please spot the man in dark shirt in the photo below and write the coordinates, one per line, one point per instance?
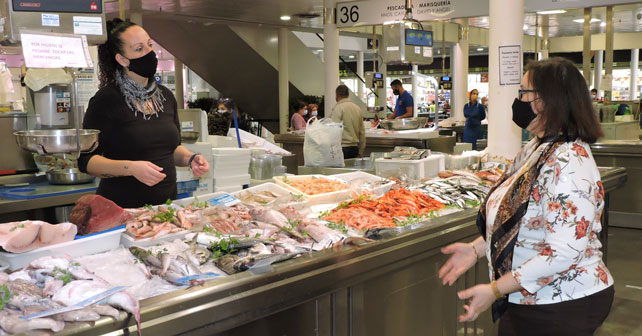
(405, 103)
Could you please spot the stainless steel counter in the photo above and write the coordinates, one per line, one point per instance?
(389, 287)
(626, 202)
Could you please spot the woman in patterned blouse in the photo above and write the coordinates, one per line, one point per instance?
(539, 225)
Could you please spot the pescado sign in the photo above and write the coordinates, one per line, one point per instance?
(374, 12)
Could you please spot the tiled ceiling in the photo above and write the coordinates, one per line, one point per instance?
(269, 12)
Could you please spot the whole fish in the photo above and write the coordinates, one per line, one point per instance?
(260, 260)
(11, 323)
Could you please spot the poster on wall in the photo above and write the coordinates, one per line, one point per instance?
(483, 78)
(510, 65)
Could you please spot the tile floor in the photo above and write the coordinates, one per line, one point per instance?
(625, 263)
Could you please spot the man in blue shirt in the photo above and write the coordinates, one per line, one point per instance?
(404, 106)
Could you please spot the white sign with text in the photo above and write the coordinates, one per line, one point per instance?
(50, 50)
(510, 65)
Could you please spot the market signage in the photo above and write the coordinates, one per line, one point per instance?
(375, 12)
(50, 50)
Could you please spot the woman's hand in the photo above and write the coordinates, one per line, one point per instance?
(481, 298)
(462, 259)
(199, 166)
(147, 172)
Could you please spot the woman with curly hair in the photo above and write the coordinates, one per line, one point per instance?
(139, 142)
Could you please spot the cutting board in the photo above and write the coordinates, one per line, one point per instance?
(44, 189)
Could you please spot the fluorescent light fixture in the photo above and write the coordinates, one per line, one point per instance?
(603, 24)
(351, 56)
(480, 49)
(592, 20)
(285, 18)
(554, 11)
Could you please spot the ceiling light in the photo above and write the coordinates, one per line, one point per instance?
(285, 18)
(480, 49)
(603, 24)
(582, 20)
(351, 56)
(554, 11)
(525, 26)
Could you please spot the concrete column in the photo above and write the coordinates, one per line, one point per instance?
(459, 66)
(178, 83)
(635, 62)
(415, 90)
(504, 137)
(597, 71)
(284, 81)
(543, 34)
(330, 55)
(360, 74)
(383, 69)
(586, 51)
(136, 12)
(608, 57)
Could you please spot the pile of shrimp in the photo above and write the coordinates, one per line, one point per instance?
(371, 213)
(317, 186)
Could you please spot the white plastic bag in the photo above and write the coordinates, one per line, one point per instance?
(322, 145)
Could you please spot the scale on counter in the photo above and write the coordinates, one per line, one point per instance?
(57, 28)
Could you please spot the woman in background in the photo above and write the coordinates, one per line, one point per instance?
(298, 122)
(474, 113)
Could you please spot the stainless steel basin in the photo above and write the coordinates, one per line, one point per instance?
(57, 141)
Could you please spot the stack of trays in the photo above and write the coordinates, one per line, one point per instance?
(230, 168)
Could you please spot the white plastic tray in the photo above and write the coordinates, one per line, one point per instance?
(127, 240)
(356, 177)
(271, 187)
(331, 197)
(230, 181)
(80, 247)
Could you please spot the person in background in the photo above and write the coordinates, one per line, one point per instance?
(297, 122)
(139, 145)
(224, 108)
(313, 112)
(594, 96)
(474, 113)
(484, 102)
(539, 224)
(433, 107)
(405, 103)
(353, 142)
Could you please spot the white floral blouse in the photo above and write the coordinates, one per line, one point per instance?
(557, 256)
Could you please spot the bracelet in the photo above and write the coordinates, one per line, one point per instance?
(472, 244)
(493, 286)
(189, 163)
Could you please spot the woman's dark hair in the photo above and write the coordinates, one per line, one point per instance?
(567, 103)
(299, 105)
(471, 94)
(108, 50)
(228, 103)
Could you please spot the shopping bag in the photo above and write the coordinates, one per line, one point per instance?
(322, 145)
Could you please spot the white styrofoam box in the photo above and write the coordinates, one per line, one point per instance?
(232, 151)
(413, 169)
(331, 197)
(183, 174)
(229, 181)
(97, 243)
(127, 240)
(434, 164)
(230, 189)
(183, 202)
(359, 178)
(461, 147)
(219, 141)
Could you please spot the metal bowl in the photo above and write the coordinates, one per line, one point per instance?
(57, 141)
(190, 136)
(68, 176)
(403, 124)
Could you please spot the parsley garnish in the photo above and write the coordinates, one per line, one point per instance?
(223, 247)
(5, 295)
(21, 226)
(62, 274)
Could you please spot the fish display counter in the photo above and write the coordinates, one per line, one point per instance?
(386, 284)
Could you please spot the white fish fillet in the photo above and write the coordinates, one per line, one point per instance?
(18, 237)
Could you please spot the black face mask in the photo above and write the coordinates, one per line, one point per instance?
(144, 66)
(523, 113)
(395, 92)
